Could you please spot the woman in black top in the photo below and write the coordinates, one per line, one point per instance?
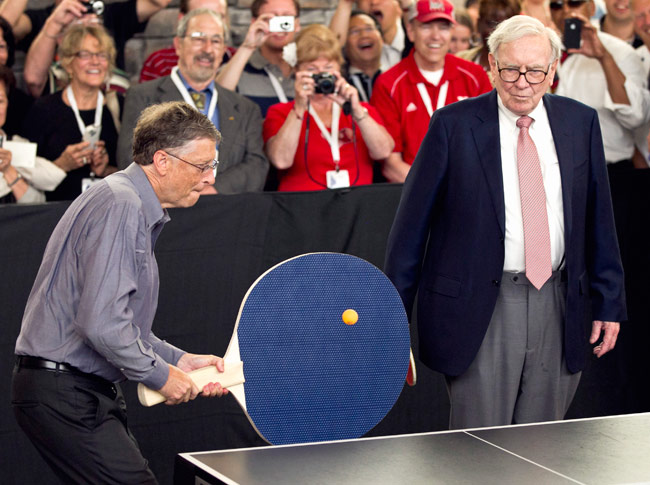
(75, 128)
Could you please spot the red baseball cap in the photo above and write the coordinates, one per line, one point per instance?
(428, 10)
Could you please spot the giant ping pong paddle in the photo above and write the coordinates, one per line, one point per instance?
(309, 373)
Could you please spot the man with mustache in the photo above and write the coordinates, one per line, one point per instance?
(200, 43)
(429, 78)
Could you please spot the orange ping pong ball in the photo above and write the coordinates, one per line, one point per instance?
(350, 317)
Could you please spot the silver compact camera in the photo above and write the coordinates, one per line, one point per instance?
(94, 6)
(282, 23)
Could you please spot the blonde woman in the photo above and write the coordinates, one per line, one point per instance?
(74, 127)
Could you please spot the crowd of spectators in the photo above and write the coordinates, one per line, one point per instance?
(299, 107)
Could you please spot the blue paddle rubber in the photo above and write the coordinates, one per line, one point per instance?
(310, 376)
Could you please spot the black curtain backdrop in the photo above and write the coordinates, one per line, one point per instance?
(210, 254)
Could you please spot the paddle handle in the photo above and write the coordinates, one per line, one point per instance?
(232, 375)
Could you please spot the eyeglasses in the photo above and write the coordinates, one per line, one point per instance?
(532, 76)
(364, 30)
(199, 39)
(87, 55)
(570, 3)
(203, 168)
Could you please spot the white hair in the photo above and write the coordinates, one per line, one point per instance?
(520, 26)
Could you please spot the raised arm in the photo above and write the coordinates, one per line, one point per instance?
(13, 12)
(281, 148)
(41, 52)
(146, 8)
(341, 20)
(229, 74)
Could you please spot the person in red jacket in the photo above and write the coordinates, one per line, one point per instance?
(429, 78)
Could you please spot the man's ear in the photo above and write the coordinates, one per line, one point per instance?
(492, 61)
(177, 45)
(161, 162)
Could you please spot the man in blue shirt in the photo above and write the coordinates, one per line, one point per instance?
(87, 324)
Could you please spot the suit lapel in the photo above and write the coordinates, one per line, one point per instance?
(486, 136)
(228, 120)
(564, 148)
(168, 91)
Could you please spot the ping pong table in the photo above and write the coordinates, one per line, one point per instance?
(607, 450)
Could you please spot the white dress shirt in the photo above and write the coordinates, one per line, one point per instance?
(540, 132)
(582, 78)
(391, 53)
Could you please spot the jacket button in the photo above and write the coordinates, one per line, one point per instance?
(496, 282)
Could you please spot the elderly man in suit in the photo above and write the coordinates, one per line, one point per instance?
(505, 228)
(200, 43)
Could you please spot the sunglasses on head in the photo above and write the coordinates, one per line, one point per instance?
(570, 3)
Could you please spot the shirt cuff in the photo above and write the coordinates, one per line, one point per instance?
(158, 376)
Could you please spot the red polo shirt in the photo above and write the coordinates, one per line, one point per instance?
(396, 97)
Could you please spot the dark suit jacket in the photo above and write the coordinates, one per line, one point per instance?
(242, 163)
(447, 241)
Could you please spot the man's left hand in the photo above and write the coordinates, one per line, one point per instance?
(189, 362)
(610, 330)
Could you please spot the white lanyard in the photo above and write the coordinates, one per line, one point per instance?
(426, 99)
(98, 109)
(332, 138)
(188, 98)
(277, 86)
(362, 90)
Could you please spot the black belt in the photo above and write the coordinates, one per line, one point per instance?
(94, 382)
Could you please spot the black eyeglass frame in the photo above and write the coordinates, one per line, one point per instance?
(524, 73)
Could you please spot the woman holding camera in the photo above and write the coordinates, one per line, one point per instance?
(324, 138)
(77, 127)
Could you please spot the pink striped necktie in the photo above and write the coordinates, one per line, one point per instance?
(537, 242)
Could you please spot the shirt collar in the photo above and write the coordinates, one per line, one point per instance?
(209, 89)
(258, 61)
(539, 113)
(400, 38)
(153, 211)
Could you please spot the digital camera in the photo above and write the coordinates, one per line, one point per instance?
(94, 6)
(324, 82)
(281, 23)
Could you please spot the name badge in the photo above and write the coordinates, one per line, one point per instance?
(337, 179)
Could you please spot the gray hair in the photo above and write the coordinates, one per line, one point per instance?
(181, 29)
(169, 125)
(520, 26)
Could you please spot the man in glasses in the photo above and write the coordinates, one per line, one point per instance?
(87, 324)
(200, 43)
(505, 232)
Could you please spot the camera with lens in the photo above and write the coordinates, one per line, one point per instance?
(94, 6)
(324, 82)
